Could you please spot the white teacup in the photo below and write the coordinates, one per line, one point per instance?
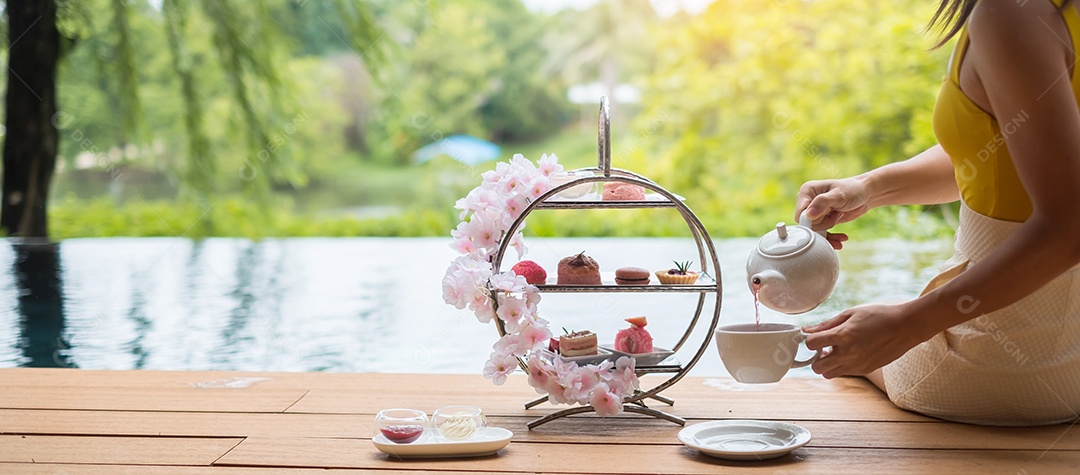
(576, 191)
(760, 353)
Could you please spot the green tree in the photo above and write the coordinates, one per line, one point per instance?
(246, 46)
(751, 99)
(472, 68)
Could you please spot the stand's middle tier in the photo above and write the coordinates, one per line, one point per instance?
(705, 283)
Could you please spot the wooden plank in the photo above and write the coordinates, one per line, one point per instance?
(584, 429)
(148, 398)
(585, 458)
(182, 424)
(114, 450)
(70, 469)
(184, 379)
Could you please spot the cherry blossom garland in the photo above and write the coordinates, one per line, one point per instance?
(486, 215)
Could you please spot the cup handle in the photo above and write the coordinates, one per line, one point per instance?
(809, 361)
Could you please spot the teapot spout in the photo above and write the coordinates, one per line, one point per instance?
(765, 278)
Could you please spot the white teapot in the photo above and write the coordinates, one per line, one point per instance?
(793, 269)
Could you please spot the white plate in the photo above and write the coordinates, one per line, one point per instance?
(643, 359)
(745, 439)
(601, 355)
(486, 442)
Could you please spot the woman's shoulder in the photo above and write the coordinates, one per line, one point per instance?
(1029, 29)
(1015, 19)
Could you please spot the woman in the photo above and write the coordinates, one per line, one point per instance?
(995, 338)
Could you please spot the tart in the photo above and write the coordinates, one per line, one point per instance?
(679, 275)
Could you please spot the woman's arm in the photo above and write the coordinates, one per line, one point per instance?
(1018, 59)
(926, 178)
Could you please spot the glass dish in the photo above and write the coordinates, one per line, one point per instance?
(401, 426)
(459, 422)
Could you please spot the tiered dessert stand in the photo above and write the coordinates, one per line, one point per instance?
(706, 284)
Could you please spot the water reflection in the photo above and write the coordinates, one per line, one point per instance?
(40, 304)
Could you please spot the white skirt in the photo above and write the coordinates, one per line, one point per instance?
(1017, 366)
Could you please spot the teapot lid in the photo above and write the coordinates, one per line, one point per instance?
(785, 240)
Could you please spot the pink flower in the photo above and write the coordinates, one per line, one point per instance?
(508, 282)
(514, 207)
(533, 336)
(578, 384)
(463, 282)
(541, 373)
(501, 170)
(605, 402)
(532, 297)
(510, 344)
(536, 187)
(603, 371)
(509, 185)
(522, 166)
(499, 367)
(518, 243)
(549, 164)
(481, 307)
(623, 379)
(510, 311)
(454, 293)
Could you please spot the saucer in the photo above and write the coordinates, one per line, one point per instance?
(745, 439)
(601, 355)
(643, 359)
(486, 442)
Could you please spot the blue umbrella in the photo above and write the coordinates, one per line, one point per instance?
(463, 148)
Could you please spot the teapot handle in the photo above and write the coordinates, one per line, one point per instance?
(805, 221)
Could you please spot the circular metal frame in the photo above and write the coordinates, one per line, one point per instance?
(706, 254)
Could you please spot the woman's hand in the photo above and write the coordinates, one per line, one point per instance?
(863, 339)
(831, 202)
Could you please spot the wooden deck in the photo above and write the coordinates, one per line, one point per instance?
(58, 421)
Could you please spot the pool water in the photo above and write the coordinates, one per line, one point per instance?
(356, 304)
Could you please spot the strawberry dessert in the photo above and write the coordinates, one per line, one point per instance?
(620, 191)
(531, 271)
(636, 339)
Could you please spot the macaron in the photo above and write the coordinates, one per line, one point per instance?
(632, 276)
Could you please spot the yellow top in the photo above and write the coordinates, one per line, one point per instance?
(975, 140)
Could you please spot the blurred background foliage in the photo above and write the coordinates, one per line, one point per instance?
(739, 104)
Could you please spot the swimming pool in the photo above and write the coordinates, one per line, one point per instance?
(352, 304)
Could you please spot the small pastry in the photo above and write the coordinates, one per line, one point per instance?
(579, 270)
(636, 339)
(680, 274)
(619, 191)
(579, 343)
(533, 273)
(632, 276)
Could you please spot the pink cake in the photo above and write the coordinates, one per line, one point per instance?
(636, 339)
(619, 191)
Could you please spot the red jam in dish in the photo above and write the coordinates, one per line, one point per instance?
(402, 434)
